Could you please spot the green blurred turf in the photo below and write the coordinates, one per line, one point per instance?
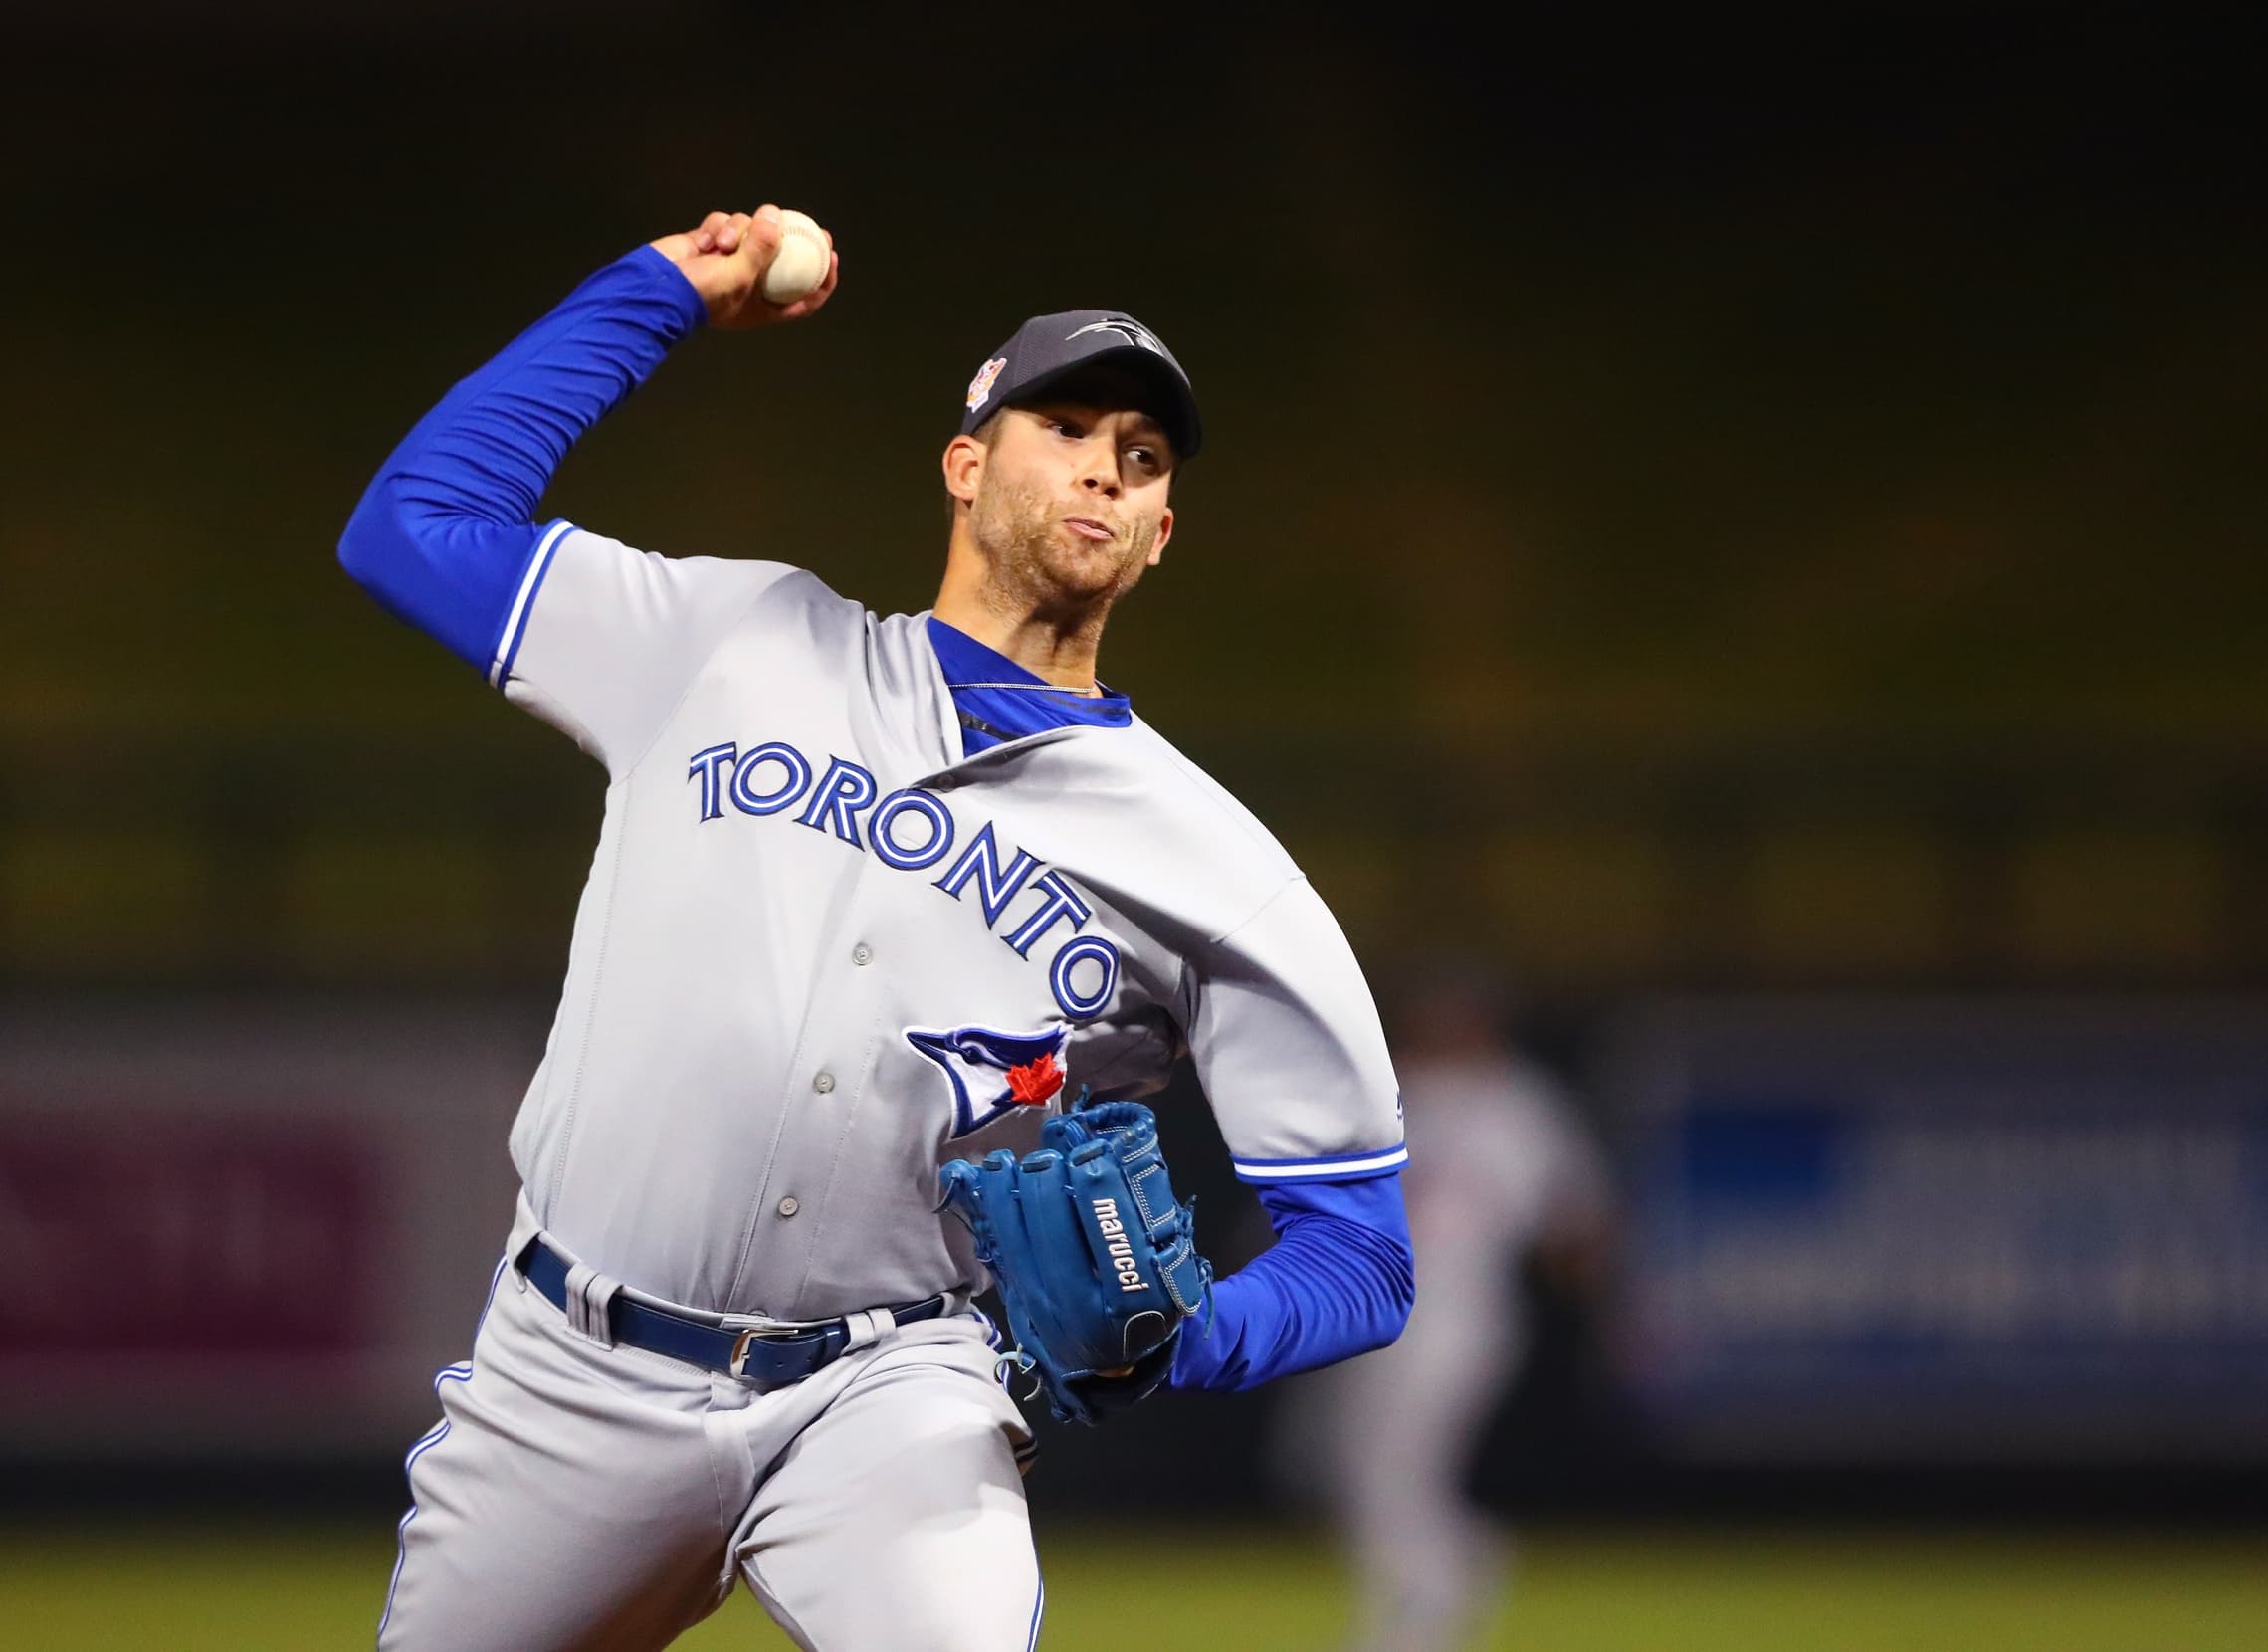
(200, 1587)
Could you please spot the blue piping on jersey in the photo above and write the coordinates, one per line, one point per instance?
(516, 621)
(1331, 1167)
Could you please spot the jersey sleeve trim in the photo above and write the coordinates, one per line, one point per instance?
(532, 581)
(1332, 1167)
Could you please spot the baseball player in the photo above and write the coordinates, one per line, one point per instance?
(1507, 1174)
(874, 897)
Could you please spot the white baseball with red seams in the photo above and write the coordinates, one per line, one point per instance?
(801, 262)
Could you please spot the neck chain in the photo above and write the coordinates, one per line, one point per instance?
(1094, 690)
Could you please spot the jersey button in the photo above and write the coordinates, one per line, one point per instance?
(788, 1206)
(823, 1083)
(862, 954)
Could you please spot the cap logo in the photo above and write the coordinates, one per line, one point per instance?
(1134, 333)
(982, 385)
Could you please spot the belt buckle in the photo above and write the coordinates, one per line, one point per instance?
(749, 1335)
(740, 1365)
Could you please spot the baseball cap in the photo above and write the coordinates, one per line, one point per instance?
(1047, 348)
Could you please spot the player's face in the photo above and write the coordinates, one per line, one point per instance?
(1071, 504)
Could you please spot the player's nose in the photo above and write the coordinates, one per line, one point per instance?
(1099, 469)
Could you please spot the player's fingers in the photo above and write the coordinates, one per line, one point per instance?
(704, 238)
(765, 227)
(760, 242)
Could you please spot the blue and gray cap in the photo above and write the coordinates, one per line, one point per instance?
(1047, 348)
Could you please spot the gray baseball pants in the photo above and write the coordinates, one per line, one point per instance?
(579, 1497)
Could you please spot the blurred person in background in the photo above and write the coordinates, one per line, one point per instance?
(1506, 1182)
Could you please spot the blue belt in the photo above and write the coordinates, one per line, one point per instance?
(771, 1358)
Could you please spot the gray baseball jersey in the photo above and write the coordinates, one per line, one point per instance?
(821, 953)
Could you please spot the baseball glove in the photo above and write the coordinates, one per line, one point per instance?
(1095, 1264)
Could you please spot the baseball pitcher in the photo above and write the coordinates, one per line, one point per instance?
(891, 923)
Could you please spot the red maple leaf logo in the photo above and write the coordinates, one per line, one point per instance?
(1036, 1081)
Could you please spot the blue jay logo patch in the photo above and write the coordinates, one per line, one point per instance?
(992, 1073)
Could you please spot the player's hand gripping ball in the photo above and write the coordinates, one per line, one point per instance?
(755, 268)
(1097, 1264)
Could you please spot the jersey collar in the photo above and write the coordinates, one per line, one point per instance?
(996, 701)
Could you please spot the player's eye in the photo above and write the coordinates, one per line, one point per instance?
(1065, 427)
(1146, 458)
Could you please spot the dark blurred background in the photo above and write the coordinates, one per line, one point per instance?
(1748, 527)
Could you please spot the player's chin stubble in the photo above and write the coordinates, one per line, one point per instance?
(1015, 526)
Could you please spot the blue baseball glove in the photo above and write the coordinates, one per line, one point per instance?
(1095, 1264)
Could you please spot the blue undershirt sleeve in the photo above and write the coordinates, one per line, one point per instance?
(1338, 1280)
(446, 530)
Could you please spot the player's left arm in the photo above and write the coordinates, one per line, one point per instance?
(1287, 1046)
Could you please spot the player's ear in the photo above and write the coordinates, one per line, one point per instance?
(964, 467)
(1164, 532)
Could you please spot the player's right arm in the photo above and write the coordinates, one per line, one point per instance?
(596, 637)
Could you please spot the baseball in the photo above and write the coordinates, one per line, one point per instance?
(801, 262)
